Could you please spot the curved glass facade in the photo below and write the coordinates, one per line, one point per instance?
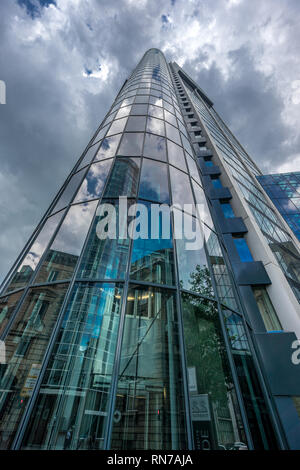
(129, 342)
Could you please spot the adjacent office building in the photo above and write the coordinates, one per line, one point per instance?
(284, 190)
(132, 342)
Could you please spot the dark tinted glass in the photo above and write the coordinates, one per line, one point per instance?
(123, 180)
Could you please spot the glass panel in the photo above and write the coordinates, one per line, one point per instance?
(202, 206)
(154, 181)
(193, 268)
(123, 112)
(193, 168)
(88, 157)
(261, 427)
(124, 178)
(100, 134)
(131, 145)
(62, 256)
(152, 256)
(106, 258)
(216, 183)
(170, 118)
(243, 249)
(26, 344)
(176, 155)
(172, 133)
(141, 99)
(69, 191)
(94, 181)
(227, 210)
(136, 123)
(181, 188)
(156, 112)
(149, 397)
(34, 254)
(266, 309)
(71, 408)
(139, 109)
(156, 101)
(108, 148)
(156, 126)
(155, 147)
(215, 414)
(7, 307)
(187, 145)
(117, 126)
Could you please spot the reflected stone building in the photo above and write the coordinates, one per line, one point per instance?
(138, 342)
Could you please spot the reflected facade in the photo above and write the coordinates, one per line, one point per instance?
(141, 337)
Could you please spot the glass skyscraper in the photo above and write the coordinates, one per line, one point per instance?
(135, 342)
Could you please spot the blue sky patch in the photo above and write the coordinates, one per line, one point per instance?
(33, 7)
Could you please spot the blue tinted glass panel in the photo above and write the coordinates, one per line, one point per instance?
(152, 256)
(227, 210)
(243, 250)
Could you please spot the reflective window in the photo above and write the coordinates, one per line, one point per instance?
(202, 206)
(168, 107)
(172, 133)
(155, 111)
(176, 155)
(149, 396)
(227, 210)
(156, 126)
(136, 123)
(100, 134)
(216, 183)
(72, 405)
(152, 256)
(122, 112)
(187, 145)
(156, 101)
(131, 145)
(155, 147)
(243, 249)
(34, 254)
(193, 269)
(108, 148)
(181, 188)
(117, 126)
(215, 415)
(154, 181)
(106, 257)
(193, 168)
(94, 181)
(26, 345)
(170, 118)
(7, 307)
(88, 156)
(69, 191)
(62, 256)
(141, 99)
(124, 177)
(139, 109)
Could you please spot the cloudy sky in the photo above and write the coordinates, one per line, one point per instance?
(63, 61)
